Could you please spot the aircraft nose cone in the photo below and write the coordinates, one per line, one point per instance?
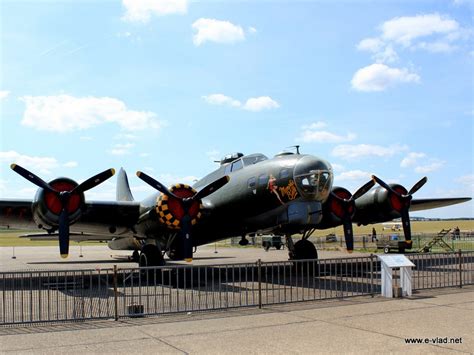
(313, 177)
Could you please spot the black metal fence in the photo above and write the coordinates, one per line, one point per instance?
(47, 296)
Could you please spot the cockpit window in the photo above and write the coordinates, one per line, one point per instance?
(237, 165)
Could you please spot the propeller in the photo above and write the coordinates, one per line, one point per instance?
(64, 198)
(185, 233)
(345, 208)
(401, 201)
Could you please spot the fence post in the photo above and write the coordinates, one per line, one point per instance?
(372, 275)
(460, 268)
(115, 293)
(259, 278)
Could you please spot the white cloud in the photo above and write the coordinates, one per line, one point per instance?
(388, 55)
(212, 30)
(434, 165)
(411, 159)
(70, 164)
(252, 30)
(142, 10)
(260, 103)
(405, 29)
(325, 137)
(315, 125)
(42, 165)
(421, 163)
(354, 175)
(379, 77)
(370, 44)
(220, 99)
(65, 113)
(121, 149)
(252, 104)
(349, 152)
(437, 47)
(4, 94)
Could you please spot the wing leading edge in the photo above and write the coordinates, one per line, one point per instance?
(429, 203)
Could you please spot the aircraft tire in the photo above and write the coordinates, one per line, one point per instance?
(151, 256)
(304, 249)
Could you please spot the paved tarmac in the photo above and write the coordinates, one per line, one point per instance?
(353, 325)
(95, 257)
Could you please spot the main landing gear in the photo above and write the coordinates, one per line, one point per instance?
(150, 256)
(302, 249)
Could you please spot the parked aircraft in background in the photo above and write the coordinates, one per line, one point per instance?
(289, 194)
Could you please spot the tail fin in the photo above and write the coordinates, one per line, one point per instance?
(123, 188)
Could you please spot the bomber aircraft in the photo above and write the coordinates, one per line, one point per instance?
(289, 194)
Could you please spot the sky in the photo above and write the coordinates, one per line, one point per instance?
(169, 86)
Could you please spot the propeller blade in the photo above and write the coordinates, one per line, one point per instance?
(156, 184)
(363, 189)
(406, 225)
(417, 186)
(95, 180)
(187, 241)
(212, 187)
(28, 175)
(348, 233)
(384, 184)
(64, 232)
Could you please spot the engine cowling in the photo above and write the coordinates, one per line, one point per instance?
(46, 205)
(170, 211)
(333, 212)
(379, 205)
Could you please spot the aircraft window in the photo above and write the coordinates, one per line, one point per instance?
(263, 180)
(252, 182)
(284, 173)
(253, 159)
(237, 165)
(227, 169)
(316, 184)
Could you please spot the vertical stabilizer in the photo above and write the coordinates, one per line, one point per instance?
(123, 188)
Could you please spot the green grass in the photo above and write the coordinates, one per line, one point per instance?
(10, 238)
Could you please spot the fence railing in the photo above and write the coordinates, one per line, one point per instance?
(47, 296)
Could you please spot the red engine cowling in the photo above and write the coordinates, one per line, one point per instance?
(47, 206)
(332, 209)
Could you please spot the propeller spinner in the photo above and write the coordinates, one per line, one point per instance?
(64, 197)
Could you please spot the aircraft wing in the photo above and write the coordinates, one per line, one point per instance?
(97, 217)
(429, 203)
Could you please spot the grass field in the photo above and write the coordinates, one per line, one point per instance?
(10, 238)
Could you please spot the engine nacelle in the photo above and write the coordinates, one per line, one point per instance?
(379, 205)
(46, 205)
(332, 210)
(170, 210)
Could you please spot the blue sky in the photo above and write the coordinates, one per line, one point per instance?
(169, 86)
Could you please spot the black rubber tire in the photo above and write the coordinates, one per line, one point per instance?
(175, 254)
(304, 249)
(386, 250)
(151, 256)
(278, 247)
